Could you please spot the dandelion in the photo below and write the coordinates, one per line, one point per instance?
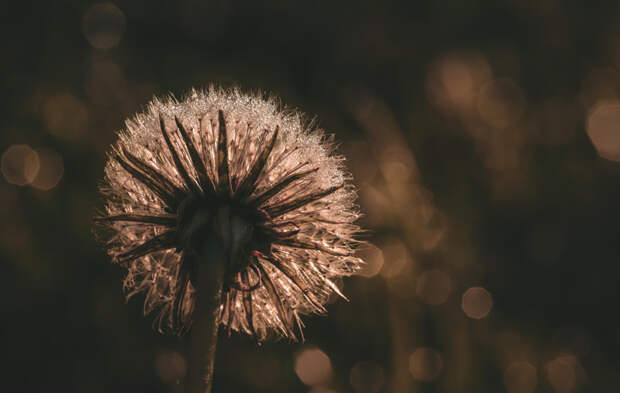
(226, 210)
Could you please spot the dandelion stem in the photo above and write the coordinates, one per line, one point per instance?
(203, 335)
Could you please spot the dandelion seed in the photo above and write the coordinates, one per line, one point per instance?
(227, 176)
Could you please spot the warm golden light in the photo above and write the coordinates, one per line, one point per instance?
(103, 25)
(20, 165)
(456, 76)
(170, 366)
(603, 128)
(434, 287)
(51, 169)
(373, 258)
(397, 164)
(477, 302)
(372, 197)
(562, 373)
(375, 203)
(313, 366)
(501, 103)
(65, 116)
(396, 257)
(367, 377)
(358, 153)
(454, 79)
(520, 377)
(425, 364)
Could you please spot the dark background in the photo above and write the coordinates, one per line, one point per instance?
(483, 136)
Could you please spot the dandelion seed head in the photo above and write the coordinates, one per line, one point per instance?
(221, 156)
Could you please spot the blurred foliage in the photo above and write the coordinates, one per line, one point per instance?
(484, 138)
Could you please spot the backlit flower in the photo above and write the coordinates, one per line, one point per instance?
(272, 186)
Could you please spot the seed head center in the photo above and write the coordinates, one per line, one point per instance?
(200, 220)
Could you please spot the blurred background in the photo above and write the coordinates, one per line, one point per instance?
(484, 137)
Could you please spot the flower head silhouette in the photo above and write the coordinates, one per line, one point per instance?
(232, 167)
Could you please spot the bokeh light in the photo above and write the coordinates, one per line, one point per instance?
(425, 364)
(376, 203)
(476, 302)
(453, 80)
(373, 258)
(20, 164)
(562, 373)
(434, 287)
(65, 116)
(103, 25)
(357, 153)
(520, 377)
(397, 164)
(170, 366)
(367, 377)
(313, 366)
(603, 127)
(456, 76)
(501, 103)
(396, 256)
(50, 171)
(486, 162)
